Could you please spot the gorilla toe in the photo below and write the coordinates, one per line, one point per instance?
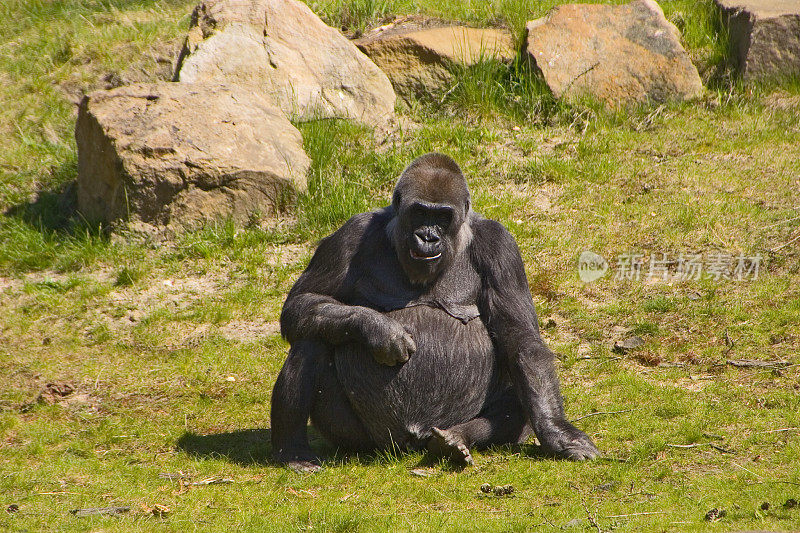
(446, 444)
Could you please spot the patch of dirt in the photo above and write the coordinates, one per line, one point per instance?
(540, 198)
(287, 254)
(249, 331)
(9, 283)
(783, 101)
(65, 394)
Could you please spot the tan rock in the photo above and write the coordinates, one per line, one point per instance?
(764, 36)
(619, 54)
(418, 57)
(176, 155)
(280, 46)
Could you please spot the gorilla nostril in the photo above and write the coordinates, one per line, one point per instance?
(426, 236)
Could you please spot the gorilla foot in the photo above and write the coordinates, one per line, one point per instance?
(302, 463)
(443, 443)
(568, 442)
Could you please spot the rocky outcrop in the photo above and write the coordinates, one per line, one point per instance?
(419, 56)
(284, 50)
(764, 36)
(619, 54)
(176, 155)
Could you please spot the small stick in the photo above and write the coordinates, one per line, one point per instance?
(605, 413)
(747, 363)
(698, 444)
(784, 245)
(775, 431)
(721, 449)
(746, 470)
(781, 222)
(634, 514)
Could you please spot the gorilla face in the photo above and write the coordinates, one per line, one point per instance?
(430, 203)
(426, 239)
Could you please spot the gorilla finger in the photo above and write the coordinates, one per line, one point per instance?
(411, 346)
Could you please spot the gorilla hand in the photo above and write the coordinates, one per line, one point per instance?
(562, 439)
(389, 342)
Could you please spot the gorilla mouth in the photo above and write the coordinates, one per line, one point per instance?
(420, 257)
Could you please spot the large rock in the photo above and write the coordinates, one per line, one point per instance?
(176, 155)
(280, 46)
(623, 54)
(419, 57)
(764, 36)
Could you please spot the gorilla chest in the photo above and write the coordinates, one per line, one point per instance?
(445, 382)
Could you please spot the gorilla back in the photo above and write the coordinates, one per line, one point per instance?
(414, 325)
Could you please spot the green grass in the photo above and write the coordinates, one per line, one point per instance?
(172, 348)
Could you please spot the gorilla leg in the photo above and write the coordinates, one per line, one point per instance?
(334, 417)
(307, 386)
(292, 399)
(502, 421)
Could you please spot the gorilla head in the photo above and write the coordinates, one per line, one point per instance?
(431, 203)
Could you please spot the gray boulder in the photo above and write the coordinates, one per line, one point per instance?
(284, 50)
(764, 36)
(619, 54)
(177, 155)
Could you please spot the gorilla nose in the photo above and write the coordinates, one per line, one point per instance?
(426, 236)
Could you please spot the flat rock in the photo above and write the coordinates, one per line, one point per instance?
(764, 36)
(619, 54)
(631, 343)
(418, 55)
(175, 155)
(281, 47)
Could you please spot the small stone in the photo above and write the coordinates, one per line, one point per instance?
(715, 515)
(503, 490)
(631, 343)
(486, 488)
(765, 506)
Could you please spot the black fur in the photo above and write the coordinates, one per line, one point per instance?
(413, 326)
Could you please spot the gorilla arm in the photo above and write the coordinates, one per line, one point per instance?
(314, 308)
(506, 307)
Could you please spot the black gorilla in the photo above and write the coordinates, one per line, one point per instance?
(413, 326)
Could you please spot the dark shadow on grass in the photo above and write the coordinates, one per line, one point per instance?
(54, 208)
(253, 447)
(243, 447)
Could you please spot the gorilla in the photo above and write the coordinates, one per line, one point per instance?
(413, 327)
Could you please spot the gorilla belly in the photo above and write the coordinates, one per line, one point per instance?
(445, 382)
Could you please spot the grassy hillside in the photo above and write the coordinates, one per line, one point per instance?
(123, 360)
